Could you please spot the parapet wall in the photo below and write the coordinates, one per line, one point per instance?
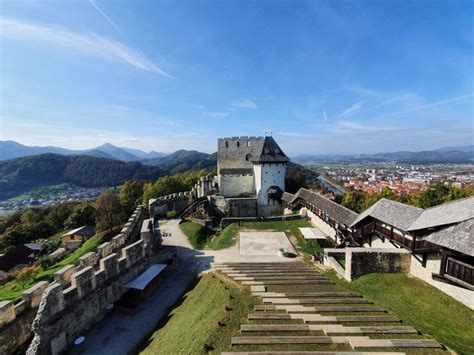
(16, 319)
(361, 261)
(177, 201)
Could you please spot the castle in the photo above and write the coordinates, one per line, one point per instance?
(250, 181)
(251, 175)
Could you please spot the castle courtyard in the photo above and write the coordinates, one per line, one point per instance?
(263, 243)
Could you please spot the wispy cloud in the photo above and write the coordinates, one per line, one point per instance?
(347, 127)
(109, 20)
(432, 104)
(355, 107)
(245, 103)
(90, 44)
(217, 114)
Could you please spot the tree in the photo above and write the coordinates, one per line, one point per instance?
(130, 195)
(355, 200)
(294, 181)
(26, 275)
(83, 214)
(433, 196)
(108, 212)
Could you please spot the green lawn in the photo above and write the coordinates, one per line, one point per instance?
(12, 290)
(193, 327)
(224, 239)
(197, 234)
(419, 304)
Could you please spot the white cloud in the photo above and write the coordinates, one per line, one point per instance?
(352, 109)
(245, 103)
(90, 44)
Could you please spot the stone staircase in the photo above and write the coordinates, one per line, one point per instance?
(303, 312)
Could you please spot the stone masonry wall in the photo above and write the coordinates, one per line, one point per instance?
(16, 319)
(362, 261)
(78, 298)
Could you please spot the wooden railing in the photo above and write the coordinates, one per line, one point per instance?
(459, 272)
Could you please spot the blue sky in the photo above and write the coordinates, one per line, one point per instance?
(325, 77)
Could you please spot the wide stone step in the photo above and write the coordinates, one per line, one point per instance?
(306, 294)
(276, 275)
(267, 270)
(288, 282)
(298, 308)
(327, 329)
(307, 317)
(311, 353)
(316, 301)
(284, 277)
(268, 340)
(366, 342)
(353, 341)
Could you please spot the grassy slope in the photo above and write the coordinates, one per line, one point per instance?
(193, 327)
(197, 234)
(225, 239)
(419, 304)
(12, 290)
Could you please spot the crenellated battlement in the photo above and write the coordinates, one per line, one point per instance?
(95, 270)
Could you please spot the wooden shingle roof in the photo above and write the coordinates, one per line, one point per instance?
(339, 213)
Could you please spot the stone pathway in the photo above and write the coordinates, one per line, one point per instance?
(314, 315)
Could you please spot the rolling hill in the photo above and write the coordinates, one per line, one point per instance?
(20, 174)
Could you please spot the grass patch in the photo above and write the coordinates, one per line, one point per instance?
(415, 302)
(193, 327)
(12, 290)
(225, 239)
(197, 234)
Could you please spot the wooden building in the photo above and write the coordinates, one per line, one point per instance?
(79, 234)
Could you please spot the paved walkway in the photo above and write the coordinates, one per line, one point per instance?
(119, 333)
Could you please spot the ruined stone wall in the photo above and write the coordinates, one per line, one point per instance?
(16, 319)
(79, 298)
(362, 261)
(242, 207)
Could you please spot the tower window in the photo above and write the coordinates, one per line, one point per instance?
(248, 156)
(227, 144)
(238, 144)
(248, 143)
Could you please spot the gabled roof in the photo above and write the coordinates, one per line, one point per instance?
(394, 213)
(84, 231)
(340, 213)
(448, 213)
(270, 153)
(458, 237)
(287, 197)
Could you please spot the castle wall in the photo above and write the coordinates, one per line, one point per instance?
(236, 185)
(267, 175)
(242, 207)
(16, 320)
(69, 307)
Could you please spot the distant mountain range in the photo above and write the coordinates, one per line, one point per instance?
(12, 149)
(183, 160)
(460, 155)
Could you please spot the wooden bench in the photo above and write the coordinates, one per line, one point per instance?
(265, 308)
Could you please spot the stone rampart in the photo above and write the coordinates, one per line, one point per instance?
(158, 207)
(16, 319)
(361, 261)
(77, 300)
